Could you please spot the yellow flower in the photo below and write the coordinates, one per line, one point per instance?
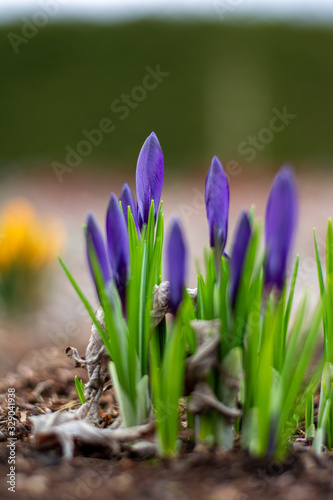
(27, 240)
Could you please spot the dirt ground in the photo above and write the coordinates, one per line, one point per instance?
(94, 473)
(32, 356)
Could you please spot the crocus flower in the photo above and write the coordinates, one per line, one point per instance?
(281, 216)
(118, 245)
(176, 265)
(149, 178)
(127, 200)
(217, 205)
(96, 244)
(242, 238)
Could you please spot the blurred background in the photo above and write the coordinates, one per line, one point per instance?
(83, 83)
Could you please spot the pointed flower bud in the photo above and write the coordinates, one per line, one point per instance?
(127, 200)
(96, 244)
(217, 205)
(118, 245)
(281, 217)
(149, 178)
(176, 265)
(242, 238)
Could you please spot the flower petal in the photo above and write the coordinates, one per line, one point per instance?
(242, 238)
(149, 178)
(217, 204)
(127, 200)
(118, 245)
(95, 242)
(176, 265)
(281, 218)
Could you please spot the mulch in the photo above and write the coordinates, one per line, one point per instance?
(199, 473)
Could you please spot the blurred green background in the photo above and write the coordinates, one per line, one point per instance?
(224, 80)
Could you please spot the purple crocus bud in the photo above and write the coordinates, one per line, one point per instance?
(176, 265)
(127, 200)
(242, 238)
(217, 204)
(118, 245)
(149, 178)
(95, 243)
(281, 217)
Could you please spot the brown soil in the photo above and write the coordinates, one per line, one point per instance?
(197, 473)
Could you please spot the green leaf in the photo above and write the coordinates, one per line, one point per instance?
(329, 287)
(319, 439)
(116, 327)
(309, 414)
(159, 244)
(127, 412)
(319, 268)
(326, 381)
(167, 379)
(143, 339)
(291, 295)
(85, 302)
(79, 389)
(295, 368)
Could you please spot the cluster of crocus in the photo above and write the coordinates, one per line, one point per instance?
(236, 331)
(114, 259)
(125, 265)
(236, 290)
(280, 222)
(113, 256)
